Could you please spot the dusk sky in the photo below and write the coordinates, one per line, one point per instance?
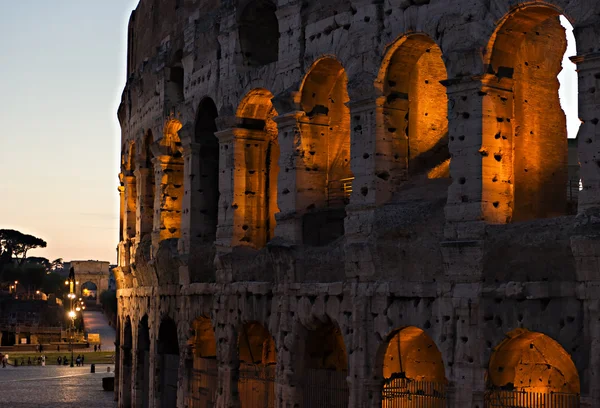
(62, 65)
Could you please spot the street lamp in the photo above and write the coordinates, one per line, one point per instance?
(71, 282)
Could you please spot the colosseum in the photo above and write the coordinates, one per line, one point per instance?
(350, 203)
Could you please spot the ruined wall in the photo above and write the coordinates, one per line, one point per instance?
(302, 181)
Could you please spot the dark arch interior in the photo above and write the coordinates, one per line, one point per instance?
(325, 349)
(127, 363)
(259, 33)
(208, 168)
(142, 384)
(168, 349)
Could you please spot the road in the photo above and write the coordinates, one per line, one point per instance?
(96, 322)
(55, 386)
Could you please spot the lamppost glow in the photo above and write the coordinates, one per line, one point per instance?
(72, 314)
(71, 282)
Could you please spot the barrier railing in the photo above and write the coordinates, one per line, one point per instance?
(325, 388)
(256, 386)
(527, 399)
(204, 383)
(406, 393)
(339, 191)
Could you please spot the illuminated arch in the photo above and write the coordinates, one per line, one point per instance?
(415, 108)
(524, 146)
(203, 378)
(532, 362)
(326, 177)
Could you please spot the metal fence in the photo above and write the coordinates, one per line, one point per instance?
(406, 393)
(325, 388)
(204, 383)
(256, 386)
(526, 399)
(339, 191)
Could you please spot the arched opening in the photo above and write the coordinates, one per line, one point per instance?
(325, 368)
(142, 383)
(259, 33)
(146, 187)
(206, 175)
(175, 81)
(530, 369)
(413, 371)
(525, 147)
(325, 129)
(167, 364)
(89, 292)
(416, 109)
(257, 196)
(130, 193)
(127, 364)
(203, 379)
(257, 357)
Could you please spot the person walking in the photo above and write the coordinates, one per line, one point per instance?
(78, 360)
(59, 360)
(43, 361)
(28, 360)
(99, 347)
(95, 348)
(4, 360)
(82, 359)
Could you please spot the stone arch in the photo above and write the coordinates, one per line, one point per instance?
(207, 169)
(88, 285)
(524, 146)
(142, 379)
(259, 32)
(257, 198)
(203, 376)
(167, 364)
(530, 363)
(415, 109)
(322, 365)
(257, 357)
(127, 364)
(411, 368)
(325, 138)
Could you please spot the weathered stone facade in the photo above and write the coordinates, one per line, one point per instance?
(323, 190)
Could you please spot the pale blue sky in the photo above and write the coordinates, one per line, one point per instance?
(62, 69)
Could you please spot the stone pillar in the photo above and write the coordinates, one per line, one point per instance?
(290, 181)
(168, 199)
(481, 164)
(192, 223)
(588, 68)
(145, 199)
(121, 190)
(130, 206)
(135, 374)
(372, 161)
(242, 178)
(586, 251)
(228, 367)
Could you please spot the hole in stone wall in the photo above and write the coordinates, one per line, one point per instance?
(259, 33)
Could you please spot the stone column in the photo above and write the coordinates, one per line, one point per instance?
(372, 161)
(121, 190)
(242, 178)
(586, 251)
(480, 144)
(168, 170)
(228, 373)
(290, 182)
(192, 223)
(130, 206)
(588, 68)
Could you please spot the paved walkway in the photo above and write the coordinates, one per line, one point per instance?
(55, 386)
(96, 322)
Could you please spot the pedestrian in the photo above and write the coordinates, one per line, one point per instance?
(78, 360)
(43, 361)
(59, 360)
(28, 360)
(39, 360)
(99, 347)
(65, 360)
(95, 348)
(82, 359)
(4, 361)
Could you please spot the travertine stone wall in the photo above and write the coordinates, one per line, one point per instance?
(351, 185)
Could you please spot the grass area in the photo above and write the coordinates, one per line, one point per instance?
(98, 357)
